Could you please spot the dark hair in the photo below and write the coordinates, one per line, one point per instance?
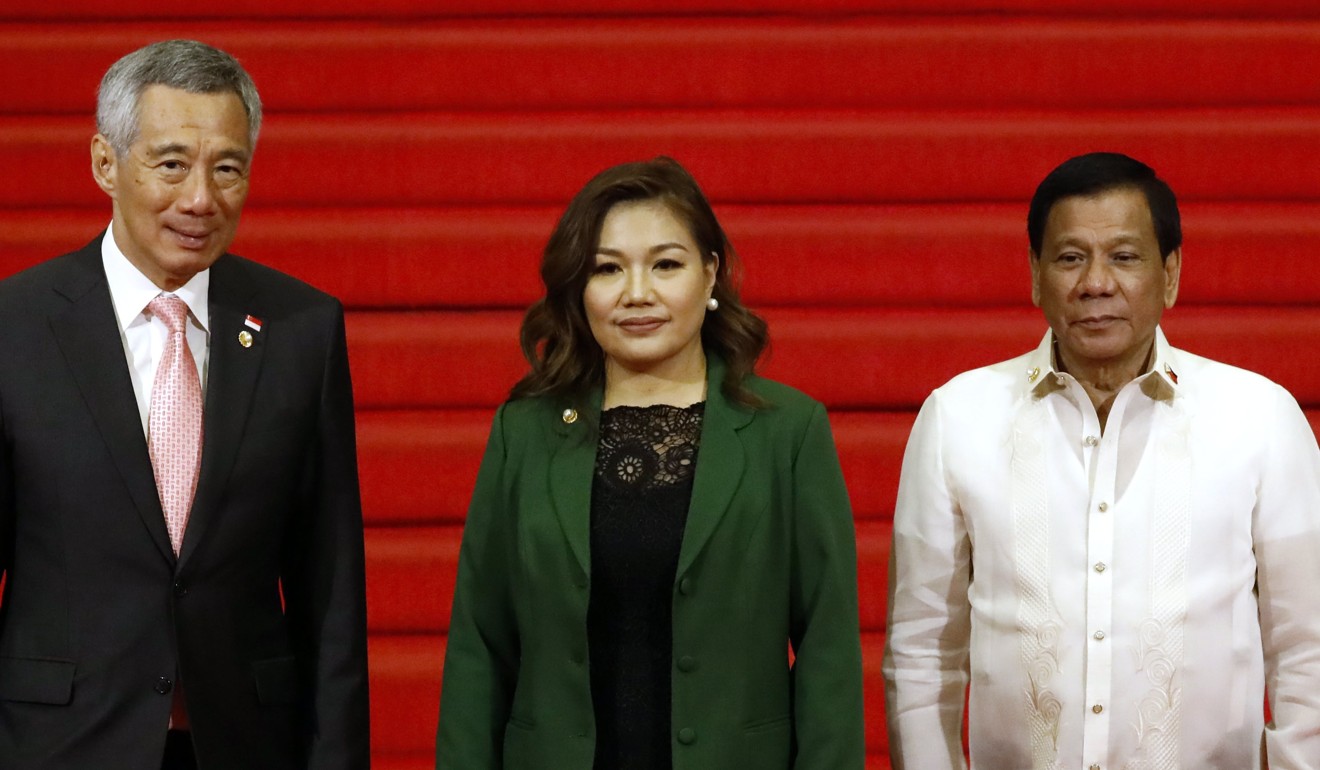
(556, 339)
(1100, 172)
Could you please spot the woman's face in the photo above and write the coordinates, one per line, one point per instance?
(646, 296)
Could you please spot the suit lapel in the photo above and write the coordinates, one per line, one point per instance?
(571, 469)
(231, 380)
(720, 464)
(87, 333)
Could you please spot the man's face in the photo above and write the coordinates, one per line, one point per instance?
(1100, 281)
(180, 188)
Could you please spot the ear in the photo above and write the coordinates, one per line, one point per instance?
(1033, 259)
(1172, 271)
(104, 164)
(712, 268)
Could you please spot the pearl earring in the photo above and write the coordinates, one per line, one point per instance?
(712, 304)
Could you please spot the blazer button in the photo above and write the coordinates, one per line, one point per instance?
(180, 589)
(685, 586)
(687, 736)
(687, 663)
(163, 686)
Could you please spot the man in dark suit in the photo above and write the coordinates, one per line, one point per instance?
(180, 524)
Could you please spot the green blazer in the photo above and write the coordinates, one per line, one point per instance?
(768, 560)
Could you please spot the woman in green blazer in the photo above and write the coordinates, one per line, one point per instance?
(658, 568)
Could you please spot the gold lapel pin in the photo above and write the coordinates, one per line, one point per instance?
(245, 338)
(1033, 373)
(570, 416)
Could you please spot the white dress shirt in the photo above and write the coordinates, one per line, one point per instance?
(1116, 600)
(142, 333)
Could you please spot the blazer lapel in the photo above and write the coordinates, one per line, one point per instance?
(720, 463)
(571, 469)
(231, 379)
(88, 336)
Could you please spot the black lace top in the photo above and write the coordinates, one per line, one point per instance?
(639, 504)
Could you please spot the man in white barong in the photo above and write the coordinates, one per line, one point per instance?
(1108, 548)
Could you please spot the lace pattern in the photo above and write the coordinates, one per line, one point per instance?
(648, 447)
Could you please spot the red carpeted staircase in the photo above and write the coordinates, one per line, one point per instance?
(871, 160)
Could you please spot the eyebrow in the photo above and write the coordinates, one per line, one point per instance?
(656, 249)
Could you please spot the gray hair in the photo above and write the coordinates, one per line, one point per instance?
(183, 64)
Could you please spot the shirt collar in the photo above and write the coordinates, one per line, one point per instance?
(1160, 382)
(130, 290)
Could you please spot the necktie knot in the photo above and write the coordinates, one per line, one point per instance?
(171, 310)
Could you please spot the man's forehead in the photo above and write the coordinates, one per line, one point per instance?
(1127, 196)
(174, 121)
(1124, 212)
(161, 102)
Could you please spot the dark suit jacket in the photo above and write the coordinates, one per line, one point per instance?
(262, 615)
(768, 559)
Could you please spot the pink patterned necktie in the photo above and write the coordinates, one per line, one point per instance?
(174, 427)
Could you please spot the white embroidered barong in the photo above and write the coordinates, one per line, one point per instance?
(1116, 600)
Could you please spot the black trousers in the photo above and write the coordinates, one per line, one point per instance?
(178, 751)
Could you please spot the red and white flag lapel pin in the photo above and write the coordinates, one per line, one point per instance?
(245, 336)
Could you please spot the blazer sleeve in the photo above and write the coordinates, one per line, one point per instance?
(824, 625)
(324, 578)
(482, 652)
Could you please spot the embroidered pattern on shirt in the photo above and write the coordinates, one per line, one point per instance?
(1037, 619)
(1160, 644)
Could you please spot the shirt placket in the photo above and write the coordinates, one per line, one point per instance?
(1101, 454)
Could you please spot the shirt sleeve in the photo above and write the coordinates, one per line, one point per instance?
(926, 649)
(1286, 539)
